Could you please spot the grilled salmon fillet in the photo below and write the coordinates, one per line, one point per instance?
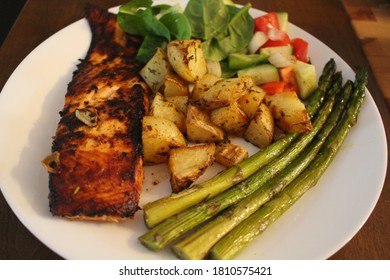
(95, 169)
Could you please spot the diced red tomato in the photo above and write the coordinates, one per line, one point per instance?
(287, 82)
(300, 49)
(273, 87)
(266, 22)
(269, 24)
(278, 39)
(287, 75)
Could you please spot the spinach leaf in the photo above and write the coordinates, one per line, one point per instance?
(240, 29)
(224, 28)
(207, 17)
(137, 18)
(237, 35)
(160, 9)
(132, 6)
(156, 24)
(178, 25)
(194, 13)
(149, 47)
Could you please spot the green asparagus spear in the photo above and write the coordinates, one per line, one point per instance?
(161, 209)
(173, 227)
(232, 243)
(198, 244)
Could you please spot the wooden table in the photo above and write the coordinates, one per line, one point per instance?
(325, 19)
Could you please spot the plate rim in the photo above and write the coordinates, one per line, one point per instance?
(22, 218)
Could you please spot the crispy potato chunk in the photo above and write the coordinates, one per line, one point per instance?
(229, 154)
(186, 58)
(250, 102)
(225, 91)
(200, 129)
(155, 70)
(161, 77)
(162, 108)
(186, 164)
(289, 112)
(174, 85)
(230, 118)
(158, 137)
(260, 130)
(180, 101)
(202, 85)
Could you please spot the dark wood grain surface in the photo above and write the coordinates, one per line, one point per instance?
(325, 19)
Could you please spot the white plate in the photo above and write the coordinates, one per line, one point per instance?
(325, 219)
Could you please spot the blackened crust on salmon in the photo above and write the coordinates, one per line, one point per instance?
(100, 173)
(104, 29)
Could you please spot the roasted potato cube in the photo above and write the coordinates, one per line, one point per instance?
(186, 164)
(186, 58)
(180, 101)
(200, 129)
(289, 112)
(158, 137)
(230, 118)
(229, 154)
(260, 130)
(155, 70)
(250, 102)
(162, 108)
(174, 85)
(203, 84)
(225, 91)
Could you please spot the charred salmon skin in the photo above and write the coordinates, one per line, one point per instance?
(95, 168)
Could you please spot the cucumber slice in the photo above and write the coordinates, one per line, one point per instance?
(283, 21)
(278, 60)
(241, 61)
(306, 77)
(284, 50)
(258, 39)
(260, 74)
